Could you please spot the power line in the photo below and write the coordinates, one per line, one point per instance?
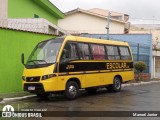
(145, 19)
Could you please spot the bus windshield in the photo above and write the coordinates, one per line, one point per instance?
(45, 53)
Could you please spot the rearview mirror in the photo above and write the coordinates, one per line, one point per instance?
(22, 58)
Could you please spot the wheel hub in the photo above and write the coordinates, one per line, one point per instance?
(72, 90)
(117, 84)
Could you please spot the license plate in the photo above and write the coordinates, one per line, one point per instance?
(31, 88)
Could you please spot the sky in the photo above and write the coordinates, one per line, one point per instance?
(140, 11)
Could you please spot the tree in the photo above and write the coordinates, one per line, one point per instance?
(140, 67)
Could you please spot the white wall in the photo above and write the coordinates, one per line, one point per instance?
(32, 24)
(156, 64)
(85, 23)
(3, 9)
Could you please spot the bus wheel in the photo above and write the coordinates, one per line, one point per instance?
(116, 86)
(44, 95)
(72, 90)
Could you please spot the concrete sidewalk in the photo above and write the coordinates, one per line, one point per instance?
(24, 95)
(14, 96)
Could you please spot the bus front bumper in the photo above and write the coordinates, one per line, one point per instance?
(34, 87)
(40, 87)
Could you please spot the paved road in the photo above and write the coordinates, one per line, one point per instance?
(133, 98)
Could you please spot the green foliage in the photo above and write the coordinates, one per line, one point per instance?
(140, 66)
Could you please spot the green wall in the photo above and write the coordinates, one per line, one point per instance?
(12, 44)
(27, 9)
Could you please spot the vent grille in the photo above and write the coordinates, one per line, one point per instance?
(32, 79)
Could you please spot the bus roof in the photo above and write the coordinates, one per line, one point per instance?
(95, 40)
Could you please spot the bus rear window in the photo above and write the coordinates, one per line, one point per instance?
(125, 54)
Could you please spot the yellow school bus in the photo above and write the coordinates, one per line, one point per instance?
(71, 63)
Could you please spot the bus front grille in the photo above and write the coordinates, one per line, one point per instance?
(32, 79)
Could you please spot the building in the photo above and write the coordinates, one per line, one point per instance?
(23, 24)
(12, 44)
(114, 15)
(94, 21)
(153, 29)
(31, 15)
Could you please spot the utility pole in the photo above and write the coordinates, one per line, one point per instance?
(138, 52)
(108, 24)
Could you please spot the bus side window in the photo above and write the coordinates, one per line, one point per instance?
(112, 52)
(125, 54)
(84, 51)
(69, 52)
(98, 52)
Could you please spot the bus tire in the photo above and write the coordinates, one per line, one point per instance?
(116, 86)
(44, 95)
(72, 90)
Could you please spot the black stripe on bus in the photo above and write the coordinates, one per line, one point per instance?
(66, 74)
(94, 66)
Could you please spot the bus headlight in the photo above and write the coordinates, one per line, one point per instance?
(48, 76)
(23, 78)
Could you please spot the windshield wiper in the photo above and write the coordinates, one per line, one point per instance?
(34, 61)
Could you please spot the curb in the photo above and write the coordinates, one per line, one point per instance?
(3, 100)
(140, 83)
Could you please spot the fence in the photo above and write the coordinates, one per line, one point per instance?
(141, 53)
